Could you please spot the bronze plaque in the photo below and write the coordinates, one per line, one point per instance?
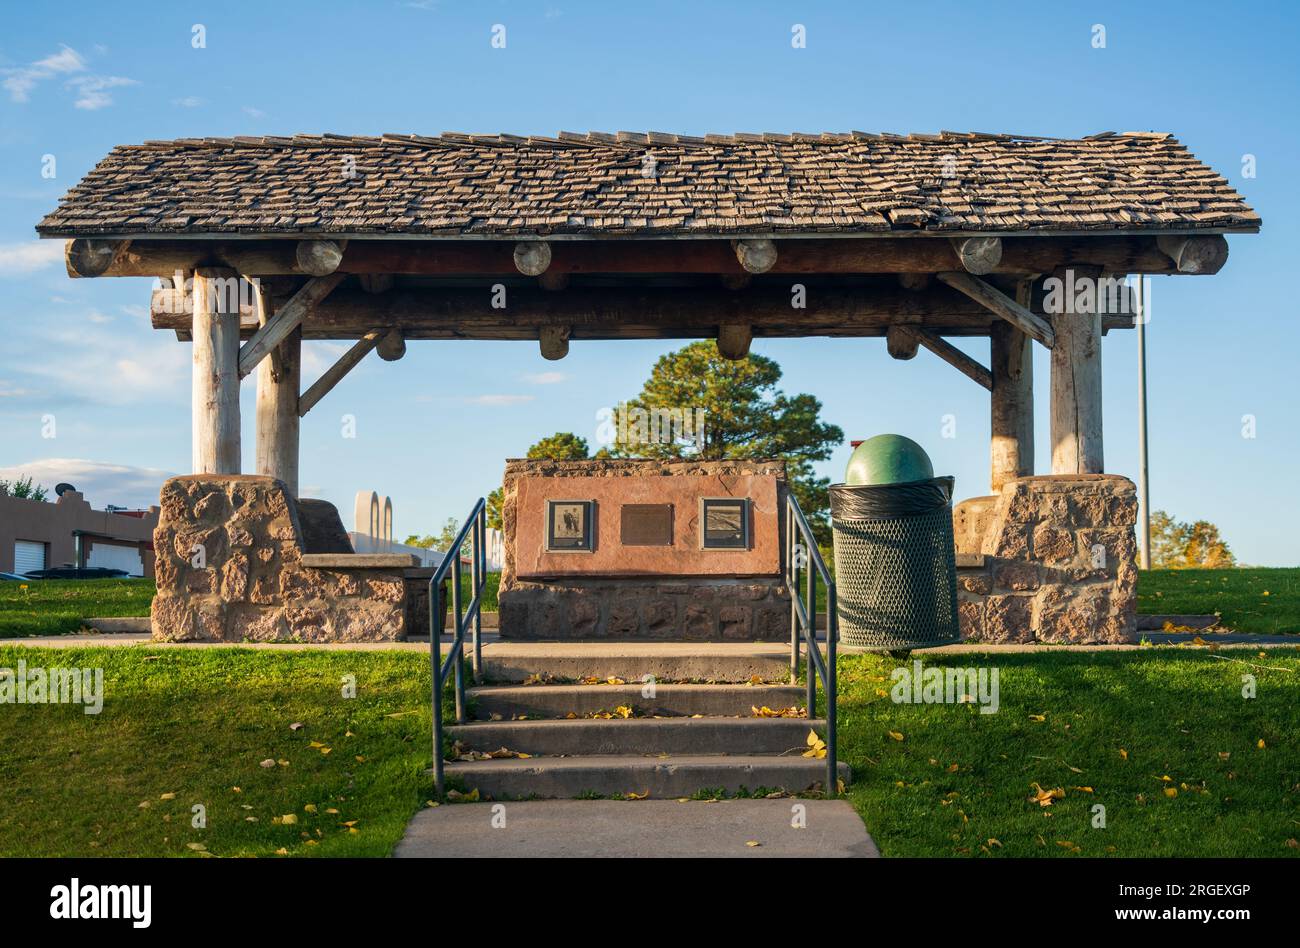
(646, 525)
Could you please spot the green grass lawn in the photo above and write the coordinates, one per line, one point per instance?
(491, 583)
(1247, 600)
(1127, 725)
(59, 606)
(197, 723)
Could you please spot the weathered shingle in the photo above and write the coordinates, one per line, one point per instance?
(651, 184)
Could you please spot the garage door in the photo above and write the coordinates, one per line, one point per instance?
(28, 556)
(116, 557)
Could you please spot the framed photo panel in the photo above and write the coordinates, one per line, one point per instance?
(570, 526)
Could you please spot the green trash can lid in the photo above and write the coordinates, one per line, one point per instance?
(888, 459)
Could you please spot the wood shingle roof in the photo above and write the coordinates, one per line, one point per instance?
(649, 185)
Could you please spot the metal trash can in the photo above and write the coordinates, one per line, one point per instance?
(895, 563)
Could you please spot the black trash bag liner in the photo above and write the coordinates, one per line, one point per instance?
(887, 501)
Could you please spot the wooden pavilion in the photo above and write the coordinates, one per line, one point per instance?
(262, 242)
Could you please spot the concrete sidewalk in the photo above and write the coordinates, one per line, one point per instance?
(638, 828)
(493, 645)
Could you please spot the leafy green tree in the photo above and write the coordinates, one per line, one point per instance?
(1180, 545)
(442, 542)
(745, 415)
(561, 446)
(23, 487)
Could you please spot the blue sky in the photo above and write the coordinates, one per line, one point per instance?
(433, 429)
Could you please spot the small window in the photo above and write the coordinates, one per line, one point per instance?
(570, 526)
(724, 523)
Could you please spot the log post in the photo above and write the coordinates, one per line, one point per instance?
(1011, 445)
(278, 380)
(215, 395)
(1076, 377)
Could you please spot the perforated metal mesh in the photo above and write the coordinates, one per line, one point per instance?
(896, 580)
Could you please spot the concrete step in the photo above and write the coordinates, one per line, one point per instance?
(738, 662)
(579, 737)
(672, 777)
(557, 701)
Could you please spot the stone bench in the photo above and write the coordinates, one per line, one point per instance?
(234, 565)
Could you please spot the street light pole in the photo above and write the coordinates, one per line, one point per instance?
(1144, 493)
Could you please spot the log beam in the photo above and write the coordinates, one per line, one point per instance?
(318, 257)
(335, 373)
(848, 255)
(756, 256)
(392, 346)
(1195, 255)
(978, 255)
(953, 356)
(901, 342)
(554, 342)
(92, 258)
(1011, 401)
(215, 392)
(532, 257)
(1076, 388)
(288, 318)
(1001, 305)
(622, 313)
(734, 340)
(278, 379)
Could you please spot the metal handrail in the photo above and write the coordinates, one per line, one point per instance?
(475, 528)
(803, 618)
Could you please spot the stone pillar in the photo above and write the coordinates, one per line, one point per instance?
(1076, 371)
(215, 395)
(1011, 444)
(278, 380)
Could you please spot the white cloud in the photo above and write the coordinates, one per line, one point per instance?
(150, 367)
(95, 316)
(20, 81)
(92, 91)
(317, 355)
(546, 378)
(10, 390)
(498, 399)
(100, 483)
(188, 102)
(29, 256)
(255, 113)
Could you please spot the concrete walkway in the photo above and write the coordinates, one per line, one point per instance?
(493, 645)
(638, 828)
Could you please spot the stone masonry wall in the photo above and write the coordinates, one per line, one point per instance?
(683, 608)
(250, 584)
(1059, 563)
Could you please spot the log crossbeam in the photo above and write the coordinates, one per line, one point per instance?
(335, 373)
(997, 302)
(288, 318)
(951, 354)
